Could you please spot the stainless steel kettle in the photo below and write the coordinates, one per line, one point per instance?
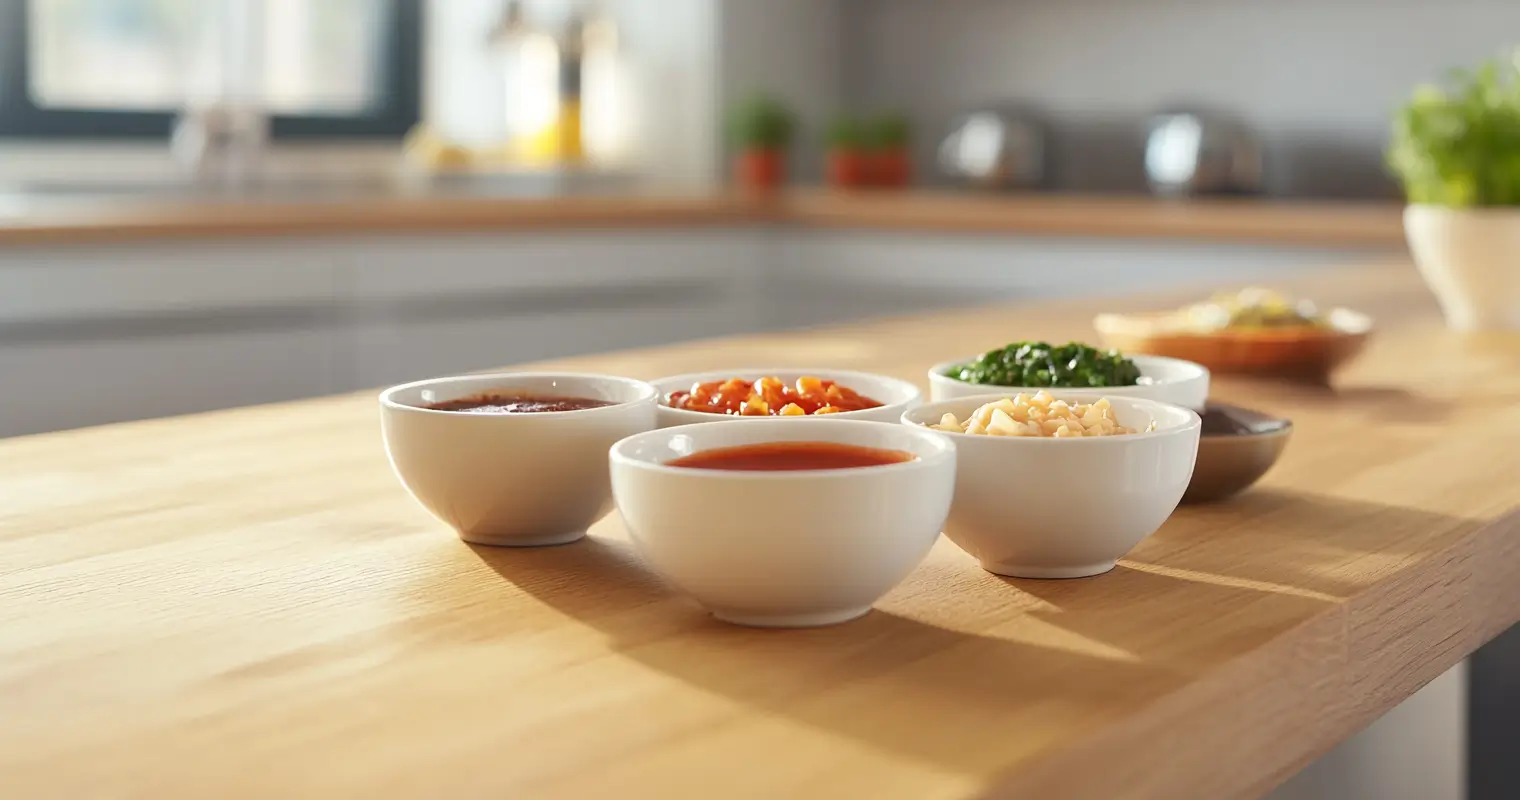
(995, 149)
(1197, 153)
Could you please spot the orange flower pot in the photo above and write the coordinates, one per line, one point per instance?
(892, 168)
(763, 170)
(847, 168)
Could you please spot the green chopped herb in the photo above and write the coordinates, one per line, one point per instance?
(1038, 364)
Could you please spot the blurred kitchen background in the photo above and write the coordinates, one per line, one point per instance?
(191, 184)
(1310, 83)
(211, 203)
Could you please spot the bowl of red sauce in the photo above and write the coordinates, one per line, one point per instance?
(770, 523)
(786, 393)
(514, 459)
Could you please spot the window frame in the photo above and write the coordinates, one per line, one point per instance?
(400, 93)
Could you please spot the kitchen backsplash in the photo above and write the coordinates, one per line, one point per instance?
(1315, 80)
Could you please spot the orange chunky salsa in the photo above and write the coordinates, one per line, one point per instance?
(770, 397)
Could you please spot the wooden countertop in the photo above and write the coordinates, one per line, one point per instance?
(1378, 225)
(1316, 223)
(246, 604)
(60, 221)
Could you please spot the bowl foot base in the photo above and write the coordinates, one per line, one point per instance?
(1026, 571)
(814, 620)
(543, 540)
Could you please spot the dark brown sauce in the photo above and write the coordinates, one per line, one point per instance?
(1218, 422)
(1220, 419)
(494, 403)
(792, 456)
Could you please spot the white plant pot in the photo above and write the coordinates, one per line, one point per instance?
(1470, 259)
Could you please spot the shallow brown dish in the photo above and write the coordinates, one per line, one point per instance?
(1308, 353)
(1237, 447)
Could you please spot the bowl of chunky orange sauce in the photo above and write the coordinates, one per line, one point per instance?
(770, 397)
(794, 393)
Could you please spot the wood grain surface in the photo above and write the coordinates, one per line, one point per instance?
(1300, 223)
(246, 604)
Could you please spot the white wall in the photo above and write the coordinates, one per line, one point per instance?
(1317, 79)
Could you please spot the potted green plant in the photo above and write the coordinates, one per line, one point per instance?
(846, 163)
(1457, 152)
(891, 159)
(761, 131)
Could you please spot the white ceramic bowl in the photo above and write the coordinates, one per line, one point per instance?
(1172, 381)
(512, 479)
(895, 396)
(1065, 508)
(783, 549)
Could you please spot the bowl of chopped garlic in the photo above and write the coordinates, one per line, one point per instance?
(1061, 484)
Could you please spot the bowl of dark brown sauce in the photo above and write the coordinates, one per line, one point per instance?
(500, 403)
(770, 523)
(513, 459)
(1237, 447)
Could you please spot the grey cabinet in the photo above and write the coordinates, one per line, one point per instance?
(104, 333)
(98, 334)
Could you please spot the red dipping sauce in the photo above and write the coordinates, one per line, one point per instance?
(791, 456)
(516, 404)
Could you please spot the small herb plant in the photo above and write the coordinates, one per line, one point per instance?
(1460, 146)
(890, 132)
(1037, 364)
(761, 123)
(846, 133)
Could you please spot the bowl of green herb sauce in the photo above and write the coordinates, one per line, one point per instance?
(1030, 366)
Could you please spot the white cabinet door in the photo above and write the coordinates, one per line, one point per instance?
(1417, 751)
(427, 306)
(836, 275)
(408, 268)
(92, 334)
(66, 283)
(396, 353)
(98, 334)
(53, 385)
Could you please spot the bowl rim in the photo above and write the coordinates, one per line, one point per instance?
(1285, 429)
(1200, 372)
(646, 390)
(944, 450)
(1192, 422)
(910, 391)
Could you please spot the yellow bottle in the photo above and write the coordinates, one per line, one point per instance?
(529, 59)
(569, 141)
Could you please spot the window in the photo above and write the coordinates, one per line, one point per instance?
(123, 68)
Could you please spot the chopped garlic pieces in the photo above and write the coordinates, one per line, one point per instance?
(1039, 414)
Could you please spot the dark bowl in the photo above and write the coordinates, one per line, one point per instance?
(1236, 449)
